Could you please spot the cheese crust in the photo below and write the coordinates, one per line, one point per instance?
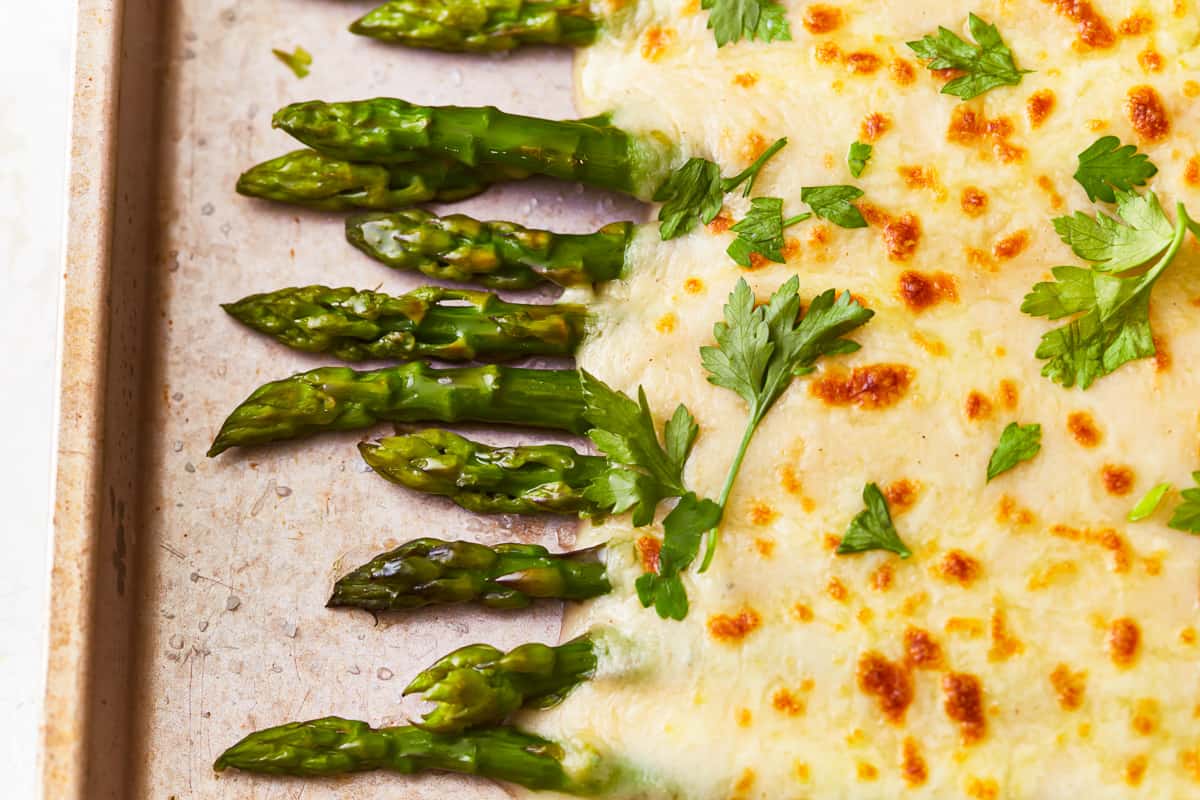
(1036, 645)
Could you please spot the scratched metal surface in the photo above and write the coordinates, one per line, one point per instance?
(236, 555)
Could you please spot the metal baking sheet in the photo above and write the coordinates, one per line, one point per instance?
(189, 593)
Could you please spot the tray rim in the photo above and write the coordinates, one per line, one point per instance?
(84, 325)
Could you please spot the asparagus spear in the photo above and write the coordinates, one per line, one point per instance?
(335, 746)
(308, 178)
(339, 399)
(499, 255)
(478, 26)
(428, 572)
(391, 131)
(526, 479)
(478, 685)
(431, 322)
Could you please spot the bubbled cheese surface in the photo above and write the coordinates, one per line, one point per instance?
(1036, 645)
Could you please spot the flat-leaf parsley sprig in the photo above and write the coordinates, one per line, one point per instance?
(733, 20)
(985, 65)
(761, 231)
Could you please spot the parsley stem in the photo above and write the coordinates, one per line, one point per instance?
(714, 535)
(751, 172)
(790, 221)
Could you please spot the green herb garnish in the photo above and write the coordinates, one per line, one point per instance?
(872, 529)
(835, 203)
(1017, 443)
(732, 20)
(1187, 514)
(987, 64)
(761, 231)
(1149, 504)
(1107, 165)
(298, 62)
(858, 157)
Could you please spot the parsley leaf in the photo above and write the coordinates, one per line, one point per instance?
(298, 62)
(760, 349)
(762, 231)
(858, 157)
(872, 529)
(730, 20)
(682, 531)
(1114, 323)
(1107, 165)
(696, 191)
(642, 472)
(834, 204)
(1149, 504)
(1017, 443)
(1118, 246)
(1187, 514)
(987, 64)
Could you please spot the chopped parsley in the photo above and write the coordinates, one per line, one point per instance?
(761, 349)
(683, 529)
(1111, 324)
(857, 158)
(298, 62)
(986, 64)
(1187, 514)
(761, 231)
(1107, 165)
(697, 191)
(835, 203)
(1017, 443)
(733, 20)
(872, 529)
(1149, 504)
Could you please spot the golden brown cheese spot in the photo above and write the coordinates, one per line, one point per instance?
(882, 577)
(1091, 29)
(733, 629)
(820, 18)
(921, 650)
(901, 237)
(828, 52)
(832, 542)
(800, 771)
(935, 347)
(1009, 511)
(656, 42)
(755, 145)
(874, 126)
(820, 235)
(758, 261)
(1009, 394)
(745, 783)
(1189, 762)
(1145, 717)
(1191, 172)
(1046, 185)
(901, 495)
(745, 79)
(1188, 636)
(693, 285)
(889, 683)
(912, 764)
(867, 772)
(978, 406)
(1147, 114)
(1118, 479)
(903, 73)
(958, 567)
(1012, 245)
(743, 717)
(762, 513)
(1050, 574)
(1039, 106)
(802, 612)
(787, 703)
(864, 616)
(791, 248)
(1124, 640)
(913, 603)
(1004, 644)
(918, 177)
(1135, 770)
(789, 480)
(721, 222)
(970, 127)
(1069, 687)
(968, 627)
(666, 323)
(837, 590)
(1150, 60)
(964, 705)
(871, 387)
(1096, 125)
(922, 290)
(1106, 538)
(973, 201)
(863, 62)
(1191, 89)
(648, 550)
(982, 789)
(1136, 24)
(765, 547)
(1082, 426)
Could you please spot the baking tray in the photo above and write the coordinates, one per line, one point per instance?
(188, 593)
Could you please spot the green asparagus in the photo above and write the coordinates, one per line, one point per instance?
(339, 399)
(479, 685)
(427, 572)
(478, 26)
(431, 322)
(526, 479)
(308, 178)
(335, 746)
(499, 255)
(391, 131)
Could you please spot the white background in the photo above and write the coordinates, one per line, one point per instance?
(36, 42)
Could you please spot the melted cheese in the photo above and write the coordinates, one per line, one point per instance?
(1036, 645)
